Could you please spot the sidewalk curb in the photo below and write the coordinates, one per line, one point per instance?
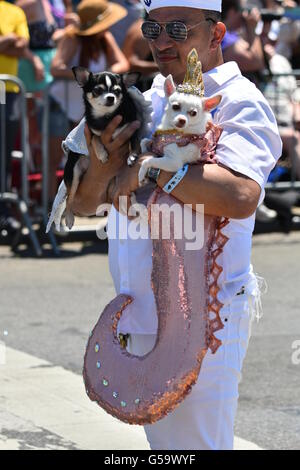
(43, 406)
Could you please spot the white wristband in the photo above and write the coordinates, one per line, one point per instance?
(170, 185)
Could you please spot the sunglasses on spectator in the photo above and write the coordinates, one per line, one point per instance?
(176, 30)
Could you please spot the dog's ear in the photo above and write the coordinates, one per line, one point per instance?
(130, 78)
(211, 103)
(81, 75)
(170, 87)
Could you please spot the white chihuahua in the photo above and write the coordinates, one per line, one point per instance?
(186, 115)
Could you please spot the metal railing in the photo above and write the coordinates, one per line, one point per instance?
(20, 201)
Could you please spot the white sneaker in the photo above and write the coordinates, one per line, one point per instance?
(264, 214)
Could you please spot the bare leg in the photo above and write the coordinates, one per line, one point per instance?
(291, 144)
(296, 162)
(80, 167)
(55, 156)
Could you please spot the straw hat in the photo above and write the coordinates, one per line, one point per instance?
(96, 16)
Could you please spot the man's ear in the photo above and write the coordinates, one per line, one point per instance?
(218, 35)
(81, 75)
(130, 78)
(211, 103)
(169, 86)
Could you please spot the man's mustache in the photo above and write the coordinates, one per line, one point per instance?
(166, 53)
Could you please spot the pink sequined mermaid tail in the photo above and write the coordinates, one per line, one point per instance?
(142, 390)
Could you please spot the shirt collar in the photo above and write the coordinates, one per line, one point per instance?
(217, 76)
(221, 74)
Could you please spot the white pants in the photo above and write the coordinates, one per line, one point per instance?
(205, 419)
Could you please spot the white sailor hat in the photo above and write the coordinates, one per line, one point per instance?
(215, 5)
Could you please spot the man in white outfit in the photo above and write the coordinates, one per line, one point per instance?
(247, 151)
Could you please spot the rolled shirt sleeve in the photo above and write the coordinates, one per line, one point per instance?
(250, 143)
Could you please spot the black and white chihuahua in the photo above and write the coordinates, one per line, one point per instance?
(105, 95)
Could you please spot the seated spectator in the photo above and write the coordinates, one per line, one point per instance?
(241, 43)
(14, 38)
(138, 53)
(280, 204)
(90, 45)
(281, 92)
(288, 37)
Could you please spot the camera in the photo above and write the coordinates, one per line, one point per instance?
(270, 15)
(267, 15)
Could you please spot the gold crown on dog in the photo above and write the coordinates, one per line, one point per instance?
(193, 80)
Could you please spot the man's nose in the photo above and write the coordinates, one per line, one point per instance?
(163, 41)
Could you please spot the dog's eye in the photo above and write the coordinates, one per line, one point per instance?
(97, 92)
(176, 107)
(192, 113)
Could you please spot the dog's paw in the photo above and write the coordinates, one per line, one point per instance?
(133, 199)
(69, 218)
(142, 175)
(104, 157)
(100, 150)
(145, 145)
(144, 182)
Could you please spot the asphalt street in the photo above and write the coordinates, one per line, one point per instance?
(49, 305)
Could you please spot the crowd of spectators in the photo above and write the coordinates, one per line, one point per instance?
(40, 40)
(265, 43)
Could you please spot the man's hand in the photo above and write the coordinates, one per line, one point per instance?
(7, 41)
(92, 190)
(251, 19)
(17, 47)
(9, 38)
(117, 149)
(123, 184)
(118, 145)
(39, 69)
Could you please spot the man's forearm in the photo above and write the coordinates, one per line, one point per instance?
(19, 51)
(256, 49)
(221, 191)
(12, 52)
(92, 190)
(28, 54)
(4, 44)
(90, 193)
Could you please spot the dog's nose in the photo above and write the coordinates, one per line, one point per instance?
(110, 100)
(180, 123)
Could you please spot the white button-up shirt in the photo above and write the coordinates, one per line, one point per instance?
(249, 144)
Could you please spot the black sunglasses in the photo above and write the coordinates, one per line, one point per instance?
(176, 30)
